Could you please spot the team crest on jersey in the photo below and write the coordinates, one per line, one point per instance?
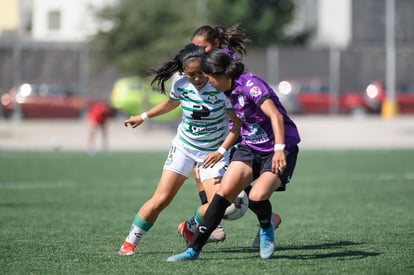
(212, 98)
(255, 91)
(241, 100)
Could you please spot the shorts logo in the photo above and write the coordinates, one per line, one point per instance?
(255, 91)
(169, 159)
(170, 156)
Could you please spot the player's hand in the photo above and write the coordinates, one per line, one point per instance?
(212, 159)
(278, 162)
(134, 121)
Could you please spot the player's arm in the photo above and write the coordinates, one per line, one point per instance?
(234, 132)
(276, 118)
(162, 108)
(230, 139)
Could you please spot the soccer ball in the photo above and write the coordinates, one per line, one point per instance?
(238, 208)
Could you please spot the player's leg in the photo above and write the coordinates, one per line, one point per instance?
(187, 228)
(259, 203)
(92, 128)
(176, 170)
(291, 157)
(210, 177)
(199, 185)
(166, 190)
(236, 178)
(104, 137)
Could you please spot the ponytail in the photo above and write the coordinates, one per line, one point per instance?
(168, 69)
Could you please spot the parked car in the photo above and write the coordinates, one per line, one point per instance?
(43, 101)
(375, 94)
(134, 95)
(313, 96)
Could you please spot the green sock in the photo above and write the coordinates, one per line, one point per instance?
(138, 229)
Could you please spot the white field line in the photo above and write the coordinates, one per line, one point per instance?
(36, 185)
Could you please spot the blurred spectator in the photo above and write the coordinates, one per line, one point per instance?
(97, 116)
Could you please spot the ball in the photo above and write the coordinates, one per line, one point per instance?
(238, 208)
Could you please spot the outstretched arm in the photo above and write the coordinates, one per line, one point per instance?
(164, 107)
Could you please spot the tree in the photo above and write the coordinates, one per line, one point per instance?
(138, 35)
(263, 20)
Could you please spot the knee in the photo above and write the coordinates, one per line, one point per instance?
(256, 195)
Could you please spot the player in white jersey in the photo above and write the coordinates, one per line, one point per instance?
(202, 138)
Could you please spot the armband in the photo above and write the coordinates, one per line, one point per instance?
(221, 150)
(278, 147)
(144, 116)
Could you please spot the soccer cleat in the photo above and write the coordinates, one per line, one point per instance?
(267, 242)
(218, 235)
(127, 249)
(187, 255)
(277, 220)
(184, 232)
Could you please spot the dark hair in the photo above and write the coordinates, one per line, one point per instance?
(233, 37)
(217, 62)
(168, 69)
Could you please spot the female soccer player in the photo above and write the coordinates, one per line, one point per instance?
(202, 137)
(231, 40)
(267, 153)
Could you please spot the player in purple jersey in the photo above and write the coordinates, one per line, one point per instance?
(231, 40)
(267, 154)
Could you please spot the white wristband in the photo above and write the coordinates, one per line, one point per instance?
(221, 150)
(279, 147)
(144, 116)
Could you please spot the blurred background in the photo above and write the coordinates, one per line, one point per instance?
(324, 57)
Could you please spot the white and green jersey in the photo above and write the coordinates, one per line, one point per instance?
(205, 123)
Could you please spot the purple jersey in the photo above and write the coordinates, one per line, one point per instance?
(246, 96)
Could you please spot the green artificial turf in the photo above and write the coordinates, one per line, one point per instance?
(345, 212)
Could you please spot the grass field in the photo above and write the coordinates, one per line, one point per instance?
(345, 212)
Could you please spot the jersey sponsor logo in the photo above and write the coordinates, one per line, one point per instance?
(255, 91)
(200, 112)
(200, 130)
(241, 100)
(256, 135)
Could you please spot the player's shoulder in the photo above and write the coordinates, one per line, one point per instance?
(252, 85)
(248, 80)
(180, 82)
